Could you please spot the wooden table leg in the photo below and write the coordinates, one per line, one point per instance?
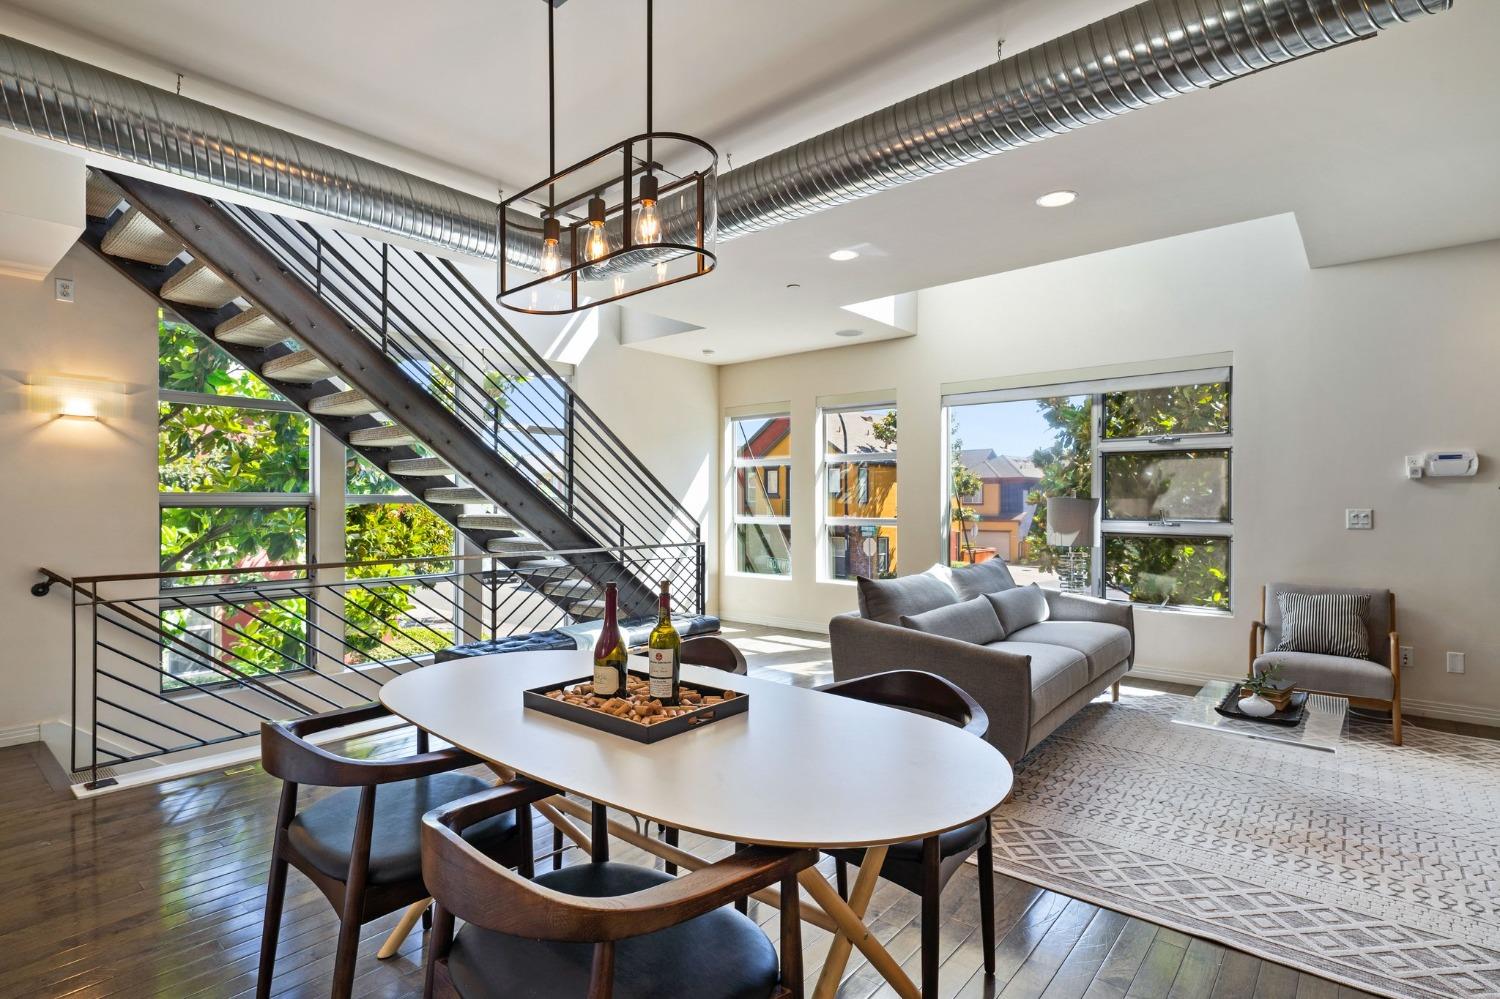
(403, 929)
(849, 916)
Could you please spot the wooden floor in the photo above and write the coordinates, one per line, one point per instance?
(157, 891)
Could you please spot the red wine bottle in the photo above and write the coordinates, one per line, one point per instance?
(609, 652)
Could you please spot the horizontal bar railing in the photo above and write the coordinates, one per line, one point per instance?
(168, 662)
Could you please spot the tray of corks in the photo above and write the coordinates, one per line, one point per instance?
(637, 715)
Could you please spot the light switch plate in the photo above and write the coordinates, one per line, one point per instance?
(1359, 520)
(1455, 662)
(1408, 657)
(65, 290)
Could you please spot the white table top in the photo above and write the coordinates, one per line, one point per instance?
(799, 768)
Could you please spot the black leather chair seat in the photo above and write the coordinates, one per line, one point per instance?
(903, 861)
(324, 832)
(721, 955)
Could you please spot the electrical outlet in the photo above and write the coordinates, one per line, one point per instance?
(1359, 520)
(1455, 662)
(1408, 657)
(65, 290)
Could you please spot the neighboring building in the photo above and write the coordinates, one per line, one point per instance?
(768, 488)
(864, 488)
(1003, 504)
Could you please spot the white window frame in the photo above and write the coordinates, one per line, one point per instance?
(831, 488)
(738, 519)
(1097, 389)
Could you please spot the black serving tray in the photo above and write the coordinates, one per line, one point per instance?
(1292, 715)
(536, 698)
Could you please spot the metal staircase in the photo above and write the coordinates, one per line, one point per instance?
(398, 356)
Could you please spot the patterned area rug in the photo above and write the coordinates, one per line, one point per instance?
(1375, 866)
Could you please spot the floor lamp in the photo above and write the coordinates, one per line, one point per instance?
(1070, 526)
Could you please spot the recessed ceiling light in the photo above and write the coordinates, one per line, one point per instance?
(794, 285)
(707, 351)
(1056, 199)
(849, 333)
(842, 255)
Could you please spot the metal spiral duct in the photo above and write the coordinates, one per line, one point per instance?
(1138, 57)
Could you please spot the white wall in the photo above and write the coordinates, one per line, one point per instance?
(78, 497)
(1339, 372)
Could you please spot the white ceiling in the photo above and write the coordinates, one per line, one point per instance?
(1382, 147)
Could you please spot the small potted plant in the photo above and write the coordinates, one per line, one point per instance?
(1253, 700)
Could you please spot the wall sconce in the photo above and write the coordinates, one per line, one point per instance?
(76, 397)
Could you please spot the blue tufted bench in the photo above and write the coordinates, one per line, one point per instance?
(578, 636)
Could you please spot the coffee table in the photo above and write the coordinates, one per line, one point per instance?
(1322, 726)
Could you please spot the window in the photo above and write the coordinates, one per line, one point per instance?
(762, 494)
(391, 620)
(859, 470)
(235, 489)
(1156, 450)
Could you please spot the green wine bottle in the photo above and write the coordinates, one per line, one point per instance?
(610, 656)
(664, 652)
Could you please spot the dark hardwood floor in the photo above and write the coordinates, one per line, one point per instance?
(158, 891)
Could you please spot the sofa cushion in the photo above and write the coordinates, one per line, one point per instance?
(1019, 607)
(987, 577)
(1331, 674)
(1057, 673)
(972, 621)
(1105, 646)
(1329, 623)
(887, 600)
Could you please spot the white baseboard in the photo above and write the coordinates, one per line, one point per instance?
(19, 735)
(1414, 706)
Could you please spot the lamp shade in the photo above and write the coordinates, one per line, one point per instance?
(1070, 521)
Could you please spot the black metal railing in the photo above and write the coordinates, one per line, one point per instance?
(452, 342)
(169, 662)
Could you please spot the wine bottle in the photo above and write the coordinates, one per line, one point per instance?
(609, 651)
(664, 652)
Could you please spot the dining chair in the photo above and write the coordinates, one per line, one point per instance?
(925, 866)
(601, 930)
(362, 849)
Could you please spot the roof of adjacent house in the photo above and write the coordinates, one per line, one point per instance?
(854, 433)
(986, 464)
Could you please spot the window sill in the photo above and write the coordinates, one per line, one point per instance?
(1203, 612)
(770, 576)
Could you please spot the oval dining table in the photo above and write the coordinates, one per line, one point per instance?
(798, 768)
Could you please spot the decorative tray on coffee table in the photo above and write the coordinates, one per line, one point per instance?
(637, 716)
(1291, 715)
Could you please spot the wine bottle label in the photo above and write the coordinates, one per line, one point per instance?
(606, 681)
(661, 665)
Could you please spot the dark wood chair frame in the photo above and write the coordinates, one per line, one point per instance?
(286, 753)
(933, 695)
(468, 885)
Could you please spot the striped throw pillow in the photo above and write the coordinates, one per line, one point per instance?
(1329, 623)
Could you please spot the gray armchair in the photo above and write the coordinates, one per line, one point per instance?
(1368, 683)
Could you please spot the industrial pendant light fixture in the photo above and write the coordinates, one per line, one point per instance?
(637, 215)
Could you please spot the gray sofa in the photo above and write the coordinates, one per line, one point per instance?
(1031, 657)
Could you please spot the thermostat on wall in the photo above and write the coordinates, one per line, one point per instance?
(1441, 464)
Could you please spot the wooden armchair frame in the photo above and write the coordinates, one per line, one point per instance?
(468, 885)
(1258, 649)
(286, 753)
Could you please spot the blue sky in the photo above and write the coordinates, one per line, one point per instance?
(1015, 428)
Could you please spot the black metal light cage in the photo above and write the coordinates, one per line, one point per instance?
(684, 170)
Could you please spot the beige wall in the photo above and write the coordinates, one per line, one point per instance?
(76, 496)
(1339, 373)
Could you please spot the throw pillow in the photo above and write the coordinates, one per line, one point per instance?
(1020, 607)
(886, 600)
(986, 577)
(1332, 624)
(972, 621)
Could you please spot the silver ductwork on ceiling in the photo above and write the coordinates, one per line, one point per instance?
(1138, 57)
